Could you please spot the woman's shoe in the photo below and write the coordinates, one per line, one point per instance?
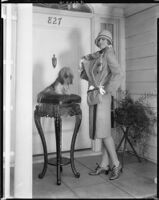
(115, 172)
(99, 170)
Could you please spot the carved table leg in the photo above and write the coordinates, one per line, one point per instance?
(40, 131)
(77, 125)
(58, 126)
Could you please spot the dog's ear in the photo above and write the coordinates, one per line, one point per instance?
(71, 78)
(70, 75)
(61, 76)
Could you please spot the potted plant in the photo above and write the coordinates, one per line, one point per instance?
(136, 119)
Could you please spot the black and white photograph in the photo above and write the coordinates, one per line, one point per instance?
(79, 100)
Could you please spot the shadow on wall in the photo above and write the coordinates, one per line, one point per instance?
(71, 58)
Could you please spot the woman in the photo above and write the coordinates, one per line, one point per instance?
(104, 76)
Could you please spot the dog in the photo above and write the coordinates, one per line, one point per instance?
(60, 86)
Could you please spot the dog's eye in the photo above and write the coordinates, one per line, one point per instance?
(66, 76)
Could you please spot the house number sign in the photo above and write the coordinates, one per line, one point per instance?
(55, 20)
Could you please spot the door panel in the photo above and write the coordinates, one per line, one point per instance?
(68, 40)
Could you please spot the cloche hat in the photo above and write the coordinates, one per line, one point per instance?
(104, 33)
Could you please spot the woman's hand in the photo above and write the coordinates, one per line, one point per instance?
(101, 90)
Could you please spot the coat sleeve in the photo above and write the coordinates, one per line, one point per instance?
(83, 74)
(116, 73)
(84, 64)
(92, 56)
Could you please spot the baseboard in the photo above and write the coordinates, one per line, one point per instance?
(146, 157)
(40, 158)
(77, 154)
(151, 160)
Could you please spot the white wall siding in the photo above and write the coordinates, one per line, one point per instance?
(141, 87)
(141, 62)
(142, 75)
(149, 62)
(136, 8)
(141, 39)
(140, 51)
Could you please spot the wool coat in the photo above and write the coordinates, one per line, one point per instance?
(101, 69)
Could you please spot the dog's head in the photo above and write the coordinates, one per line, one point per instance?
(65, 76)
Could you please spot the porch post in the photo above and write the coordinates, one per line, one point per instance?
(7, 103)
(23, 140)
(122, 53)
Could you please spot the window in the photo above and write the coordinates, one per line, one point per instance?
(107, 26)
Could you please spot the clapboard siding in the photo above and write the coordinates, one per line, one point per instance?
(142, 15)
(141, 62)
(151, 153)
(136, 8)
(148, 49)
(151, 100)
(141, 88)
(137, 21)
(149, 75)
(139, 28)
(153, 141)
(141, 22)
(141, 39)
(149, 62)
